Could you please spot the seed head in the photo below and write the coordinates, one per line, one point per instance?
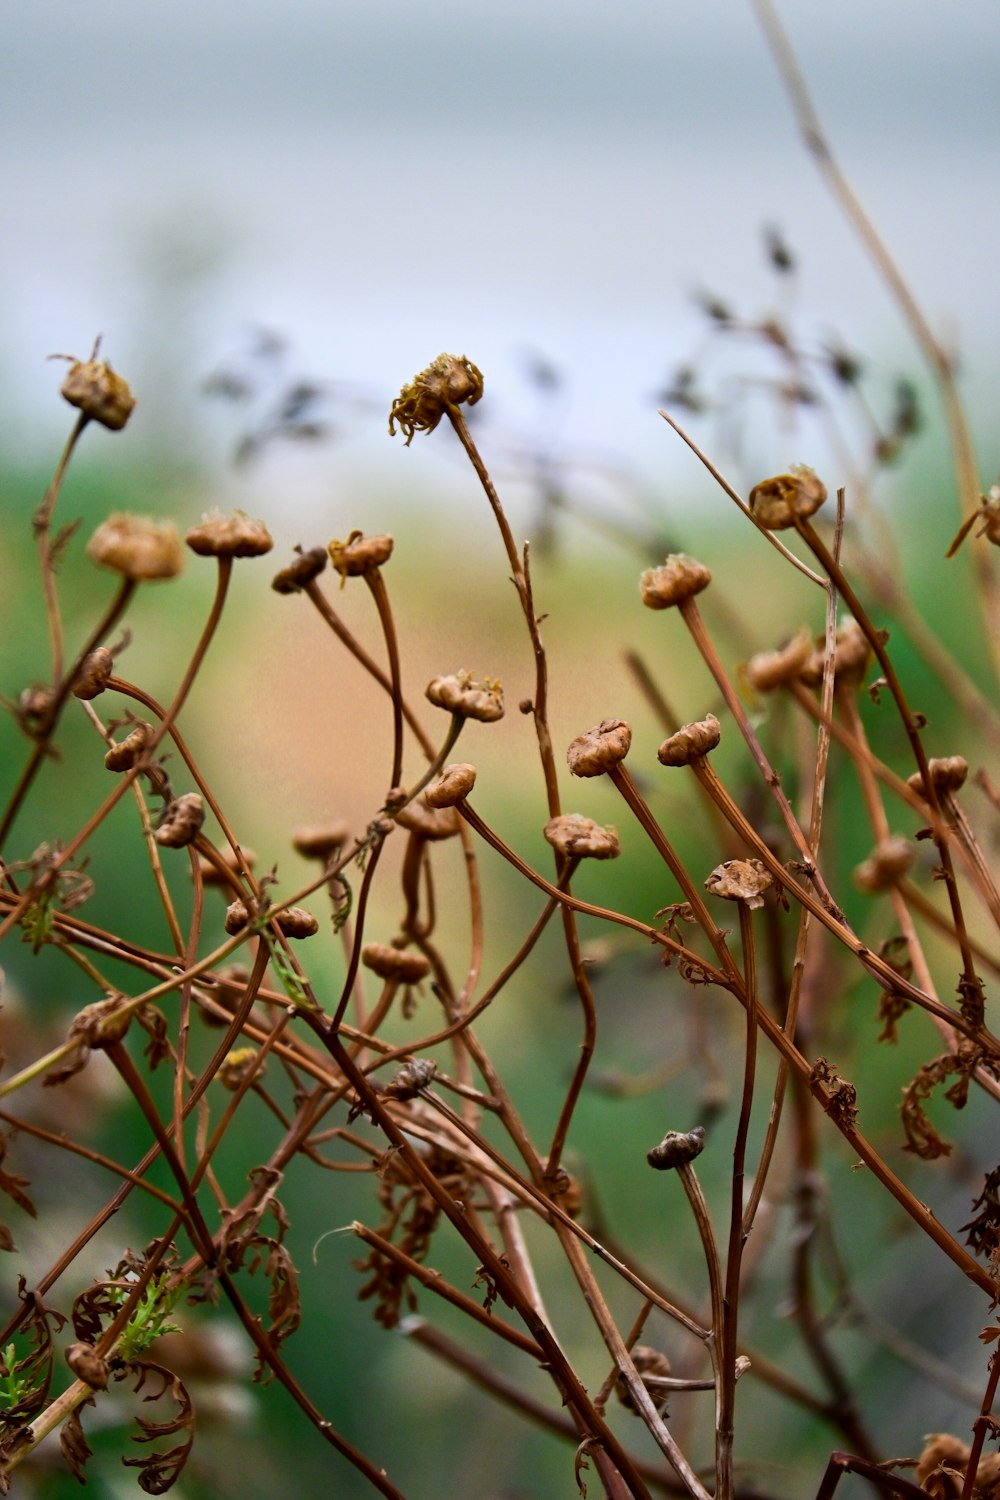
(296, 922)
(235, 1067)
(454, 786)
(94, 674)
(360, 554)
(127, 752)
(411, 1078)
(94, 388)
(472, 700)
(400, 965)
(885, 866)
(101, 1025)
(577, 837)
(181, 820)
(87, 1365)
(428, 822)
(691, 742)
(740, 880)
(647, 1361)
(321, 841)
(306, 567)
(602, 747)
(237, 917)
(852, 655)
(947, 772)
(777, 503)
(679, 578)
(452, 380)
(137, 547)
(235, 535)
(209, 871)
(677, 1149)
(769, 669)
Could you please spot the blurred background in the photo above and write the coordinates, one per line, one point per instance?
(275, 217)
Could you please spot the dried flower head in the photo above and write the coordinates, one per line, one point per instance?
(301, 572)
(235, 535)
(127, 752)
(769, 669)
(947, 772)
(87, 1365)
(459, 694)
(578, 837)
(101, 1025)
(321, 840)
(211, 874)
(886, 865)
(740, 880)
(236, 1066)
(180, 821)
(296, 922)
(452, 380)
(777, 503)
(454, 786)
(411, 1078)
(360, 554)
(94, 388)
(94, 674)
(402, 966)
(647, 1361)
(600, 748)
(237, 917)
(677, 1149)
(137, 547)
(691, 742)
(679, 578)
(851, 657)
(428, 822)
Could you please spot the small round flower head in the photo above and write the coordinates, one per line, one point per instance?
(691, 742)
(360, 554)
(209, 870)
(235, 535)
(450, 381)
(296, 922)
(94, 674)
(301, 572)
(677, 1148)
(947, 772)
(396, 964)
(94, 388)
(101, 1025)
(182, 819)
(769, 669)
(885, 866)
(602, 747)
(471, 700)
(740, 880)
(428, 822)
(454, 786)
(679, 578)
(647, 1361)
(411, 1078)
(137, 547)
(235, 1067)
(237, 917)
(577, 837)
(777, 503)
(852, 655)
(124, 755)
(321, 840)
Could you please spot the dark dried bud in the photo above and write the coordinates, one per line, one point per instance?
(886, 866)
(428, 822)
(306, 567)
(577, 837)
(94, 388)
(87, 1365)
(679, 578)
(94, 674)
(691, 742)
(677, 1149)
(360, 554)
(399, 965)
(600, 748)
(452, 380)
(769, 669)
(137, 547)
(411, 1078)
(471, 700)
(101, 1025)
(740, 880)
(947, 772)
(237, 917)
(180, 821)
(321, 841)
(235, 535)
(777, 503)
(129, 751)
(235, 1067)
(296, 922)
(454, 786)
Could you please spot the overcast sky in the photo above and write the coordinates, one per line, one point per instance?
(384, 180)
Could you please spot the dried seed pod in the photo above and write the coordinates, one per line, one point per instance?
(321, 840)
(34, 704)
(454, 786)
(647, 1361)
(306, 567)
(410, 1079)
(677, 1149)
(769, 669)
(137, 547)
(94, 674)
(428, 822)
(237, 917)
(296, 922)
(360, 554)
(100, 1025)
(451, 380)
(400, 965)
(679, 578)
(777, 503)
(691, 742)
(209, 869)
(851, 657)
(600, 748)
(236, 1065)
(577, 837)
(472, 700)
(886, 865)
(740, 880)
(180, 821)
(87, 1365)
(947, 772)
(95, 389)
(235, 535)
(129, 751)
(229, 989)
